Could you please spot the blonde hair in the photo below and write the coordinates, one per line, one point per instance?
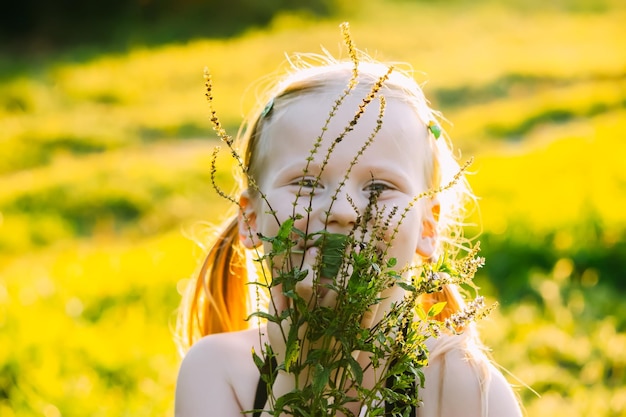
(218, 299)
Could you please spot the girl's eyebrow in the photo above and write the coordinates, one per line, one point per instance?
(385, 170)
(300, 168)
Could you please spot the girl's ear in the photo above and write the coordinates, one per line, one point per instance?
(428, 236)
(247, 221)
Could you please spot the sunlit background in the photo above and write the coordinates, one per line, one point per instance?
(105, 148)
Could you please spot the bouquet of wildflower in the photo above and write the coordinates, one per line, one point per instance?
(323, 341)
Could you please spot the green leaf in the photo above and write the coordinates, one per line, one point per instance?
(435, 129)
(290, 294)
(420, 312)
(267, 316)
(291, 400)
(293, 350)
(405, 286)
(436, 309)
(300, 233)
(355, 368)
(258, 361)
(285, 229)
(333, 247)
(281, 242)
(321, 376)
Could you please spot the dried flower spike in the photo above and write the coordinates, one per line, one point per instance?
(217, 126)
(352, 52)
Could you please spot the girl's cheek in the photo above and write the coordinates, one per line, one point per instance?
(309, 215)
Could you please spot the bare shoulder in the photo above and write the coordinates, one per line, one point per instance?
(502, 400)
(459, 383)
(219, 351)
(218, 376)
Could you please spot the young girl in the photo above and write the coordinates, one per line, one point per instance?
(218, 376)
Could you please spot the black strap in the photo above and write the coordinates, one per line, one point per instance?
(260, 398)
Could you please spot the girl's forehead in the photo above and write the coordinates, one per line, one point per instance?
(314, 120)
(317, 117)
(355, 112)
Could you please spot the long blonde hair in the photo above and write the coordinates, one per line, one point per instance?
(218, 299)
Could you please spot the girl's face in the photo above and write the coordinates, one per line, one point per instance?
(392, 165)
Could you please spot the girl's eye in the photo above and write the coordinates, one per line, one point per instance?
(377, 187)
(307, 183)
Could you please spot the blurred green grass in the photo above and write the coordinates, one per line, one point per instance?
(104, 186)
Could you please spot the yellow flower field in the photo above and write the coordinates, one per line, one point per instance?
(105, 196)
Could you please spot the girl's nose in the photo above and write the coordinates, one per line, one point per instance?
(342, 215)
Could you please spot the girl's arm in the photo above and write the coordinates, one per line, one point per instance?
(465, 387)
(502, 400)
